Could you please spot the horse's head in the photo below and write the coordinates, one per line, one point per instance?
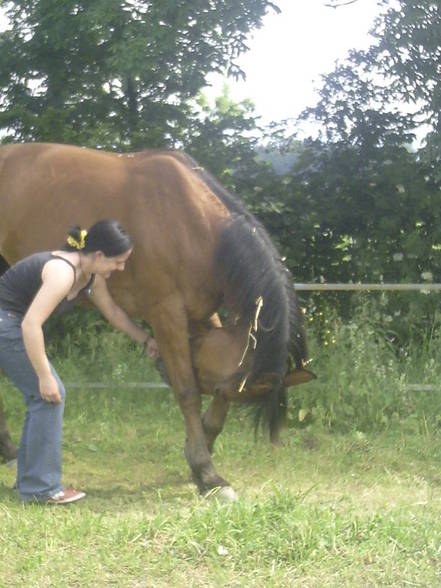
(222, 360)
(217, 362)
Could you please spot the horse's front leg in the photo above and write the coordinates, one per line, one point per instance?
(171, 332)
(7, 448)
(216, 413)
(198, 454)
(214, 419)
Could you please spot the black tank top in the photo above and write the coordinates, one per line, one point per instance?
(21, 282)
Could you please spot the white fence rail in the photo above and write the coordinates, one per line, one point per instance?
(311, 287)
(368, 287)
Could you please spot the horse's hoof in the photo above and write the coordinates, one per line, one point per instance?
(227, 494)
(223, 493)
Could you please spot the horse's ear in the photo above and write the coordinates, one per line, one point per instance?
(300, 376)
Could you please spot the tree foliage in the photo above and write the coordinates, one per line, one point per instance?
(387, 93)
(117, 73)
(355, 204)
(373, 197)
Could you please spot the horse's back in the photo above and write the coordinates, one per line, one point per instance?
(172, 216)
(44, 185)
(61, 185)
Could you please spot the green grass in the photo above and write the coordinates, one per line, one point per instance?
(323, 510)
(351, 499)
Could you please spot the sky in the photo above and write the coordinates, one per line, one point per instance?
(292, 49)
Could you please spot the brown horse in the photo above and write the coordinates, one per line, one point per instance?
(196, 250)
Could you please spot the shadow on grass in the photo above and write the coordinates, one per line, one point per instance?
(102, 496)
(7, 493)
(109, 497)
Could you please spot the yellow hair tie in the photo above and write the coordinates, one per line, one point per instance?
(78, 244)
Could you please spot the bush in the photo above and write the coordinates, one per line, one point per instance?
(364, 374)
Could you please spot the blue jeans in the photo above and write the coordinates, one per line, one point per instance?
(39, 453)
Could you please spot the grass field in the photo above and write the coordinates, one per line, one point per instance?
(323, 510)
(351, 499)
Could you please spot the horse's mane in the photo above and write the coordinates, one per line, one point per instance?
(297, 339)
(249, 263)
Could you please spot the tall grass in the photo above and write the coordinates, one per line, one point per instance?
(366, 377)
(355, 508)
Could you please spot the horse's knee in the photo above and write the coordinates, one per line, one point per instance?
(189, 400)
(214, 418)
(213, 428)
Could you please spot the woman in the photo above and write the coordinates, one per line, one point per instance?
(37, 287)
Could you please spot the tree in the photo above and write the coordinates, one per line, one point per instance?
(391, 91)
(224, 138)
(408, 55)
(344, 211)
(381, 194)
(375, 195)
(115, 73)
(339, 3)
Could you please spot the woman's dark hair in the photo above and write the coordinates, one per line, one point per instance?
(107, 236)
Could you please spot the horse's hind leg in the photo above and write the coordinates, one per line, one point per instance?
(214, 419)
(7, 448)
(3, 265)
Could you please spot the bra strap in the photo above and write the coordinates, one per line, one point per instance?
(67, 261)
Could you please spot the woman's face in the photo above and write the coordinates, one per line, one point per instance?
(104, 266)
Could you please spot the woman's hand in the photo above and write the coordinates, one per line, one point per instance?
(49, 389)
(151, 348)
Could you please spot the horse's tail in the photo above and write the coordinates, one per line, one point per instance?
(258, 288)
